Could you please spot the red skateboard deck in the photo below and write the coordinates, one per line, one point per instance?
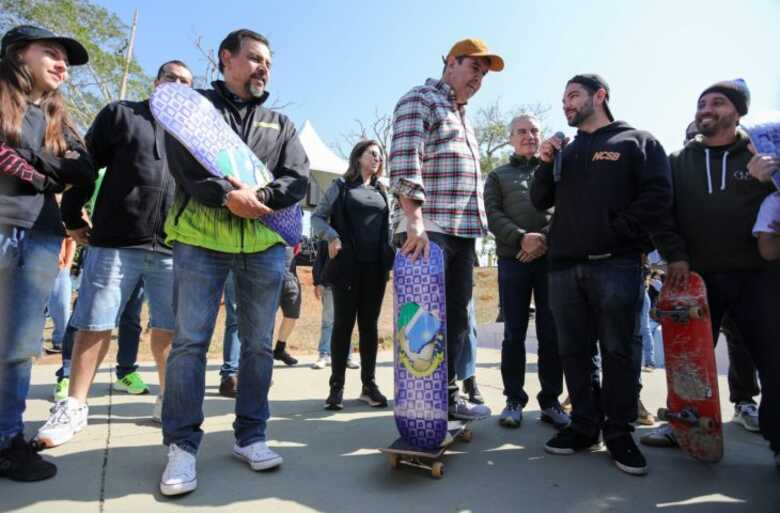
(693, 403)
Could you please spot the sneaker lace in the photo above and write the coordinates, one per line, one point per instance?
(60, 415)
(512, 406)
(749, 409)
(178, 461)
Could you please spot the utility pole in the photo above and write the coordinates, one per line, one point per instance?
(129, 57)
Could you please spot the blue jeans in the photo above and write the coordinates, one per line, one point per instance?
(199, 279)
(58, 306)
(326, 326)
(646, 332)
(28, 268)
(467, 363)
(231, 343)
(658, 344)
(517, 281)
(600, 301)
(111, 275)
(129, 338)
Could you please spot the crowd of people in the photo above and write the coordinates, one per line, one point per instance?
(574, 221)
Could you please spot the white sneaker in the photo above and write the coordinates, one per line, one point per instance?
(258, 455)
(352, 364)
(67, 418)
(746, 415)
(180, 475)
(157, 412)
(322, 362)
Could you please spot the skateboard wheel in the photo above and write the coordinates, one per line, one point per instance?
(395, 460)
(695, 312)
(467, 435)
(437, 470)
(707, 423)
(663, 414)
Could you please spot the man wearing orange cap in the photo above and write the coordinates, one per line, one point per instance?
(435, 175)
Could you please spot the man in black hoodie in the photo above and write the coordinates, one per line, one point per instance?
(716, 202)
(126, 246)
(613, 188)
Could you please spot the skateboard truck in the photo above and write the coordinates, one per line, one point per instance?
(687, 416)
(682, 315)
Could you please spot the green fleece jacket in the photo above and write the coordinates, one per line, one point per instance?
(508, 205)
(716, 202)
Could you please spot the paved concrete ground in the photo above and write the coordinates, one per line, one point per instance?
(332, 464)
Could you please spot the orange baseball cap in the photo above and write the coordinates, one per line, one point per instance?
(473, 47)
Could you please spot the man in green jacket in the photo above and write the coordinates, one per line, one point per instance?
(521, 243)
(214, 227)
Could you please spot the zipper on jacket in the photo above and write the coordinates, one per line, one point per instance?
(158, 205)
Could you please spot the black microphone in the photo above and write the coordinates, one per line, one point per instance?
(558, 161)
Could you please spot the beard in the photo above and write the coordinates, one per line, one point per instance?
(583, 113)
(717, 124)
(254, 91)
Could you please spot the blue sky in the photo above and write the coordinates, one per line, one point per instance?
(337, 61)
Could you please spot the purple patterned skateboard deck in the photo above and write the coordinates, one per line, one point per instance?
(420, 331)
(198, 126)
(764, 132)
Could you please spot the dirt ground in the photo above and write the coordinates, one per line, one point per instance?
(305, 337)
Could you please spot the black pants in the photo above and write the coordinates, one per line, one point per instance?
(751, 299)
(362, 300)
(516, 282)
(743, 381)
(600, 302)
(458, 285)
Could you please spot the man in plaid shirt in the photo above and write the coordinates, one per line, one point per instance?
(435, 175)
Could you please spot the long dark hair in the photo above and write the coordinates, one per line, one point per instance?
(353, 171)
(15, 87)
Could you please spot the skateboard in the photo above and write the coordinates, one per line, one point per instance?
(764, 133)
(402, 453)
(692, 402)
(420, 390)
(192, 120)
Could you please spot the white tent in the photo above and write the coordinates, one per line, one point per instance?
(321, 158)
(324, 165)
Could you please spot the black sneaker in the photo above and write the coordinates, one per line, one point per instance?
(568, 441)
(470, 388)
(627, 455)
(285, 357)
(335, 399)
(20, 462)
(373, 397)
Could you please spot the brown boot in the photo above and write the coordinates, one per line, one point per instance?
(228, 387)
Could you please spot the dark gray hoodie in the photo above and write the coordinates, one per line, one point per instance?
(716, 202)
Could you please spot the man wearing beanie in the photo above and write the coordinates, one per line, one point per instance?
(614, 187)
(711, 232)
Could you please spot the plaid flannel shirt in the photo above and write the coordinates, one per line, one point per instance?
(434, 158)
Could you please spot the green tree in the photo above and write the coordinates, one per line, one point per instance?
(105, 37)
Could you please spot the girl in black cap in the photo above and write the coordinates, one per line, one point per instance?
(40, 153)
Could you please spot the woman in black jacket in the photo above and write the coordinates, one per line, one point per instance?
(353, 217)
(40, 153)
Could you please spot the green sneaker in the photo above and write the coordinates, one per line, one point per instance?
(132, 384)
(61, 390)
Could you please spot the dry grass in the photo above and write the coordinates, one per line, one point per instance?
(305, 337)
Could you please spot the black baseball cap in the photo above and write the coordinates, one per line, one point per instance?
(593, 82)
(76, 52)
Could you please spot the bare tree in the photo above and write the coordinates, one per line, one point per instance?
(491, 125)
(380, 129)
